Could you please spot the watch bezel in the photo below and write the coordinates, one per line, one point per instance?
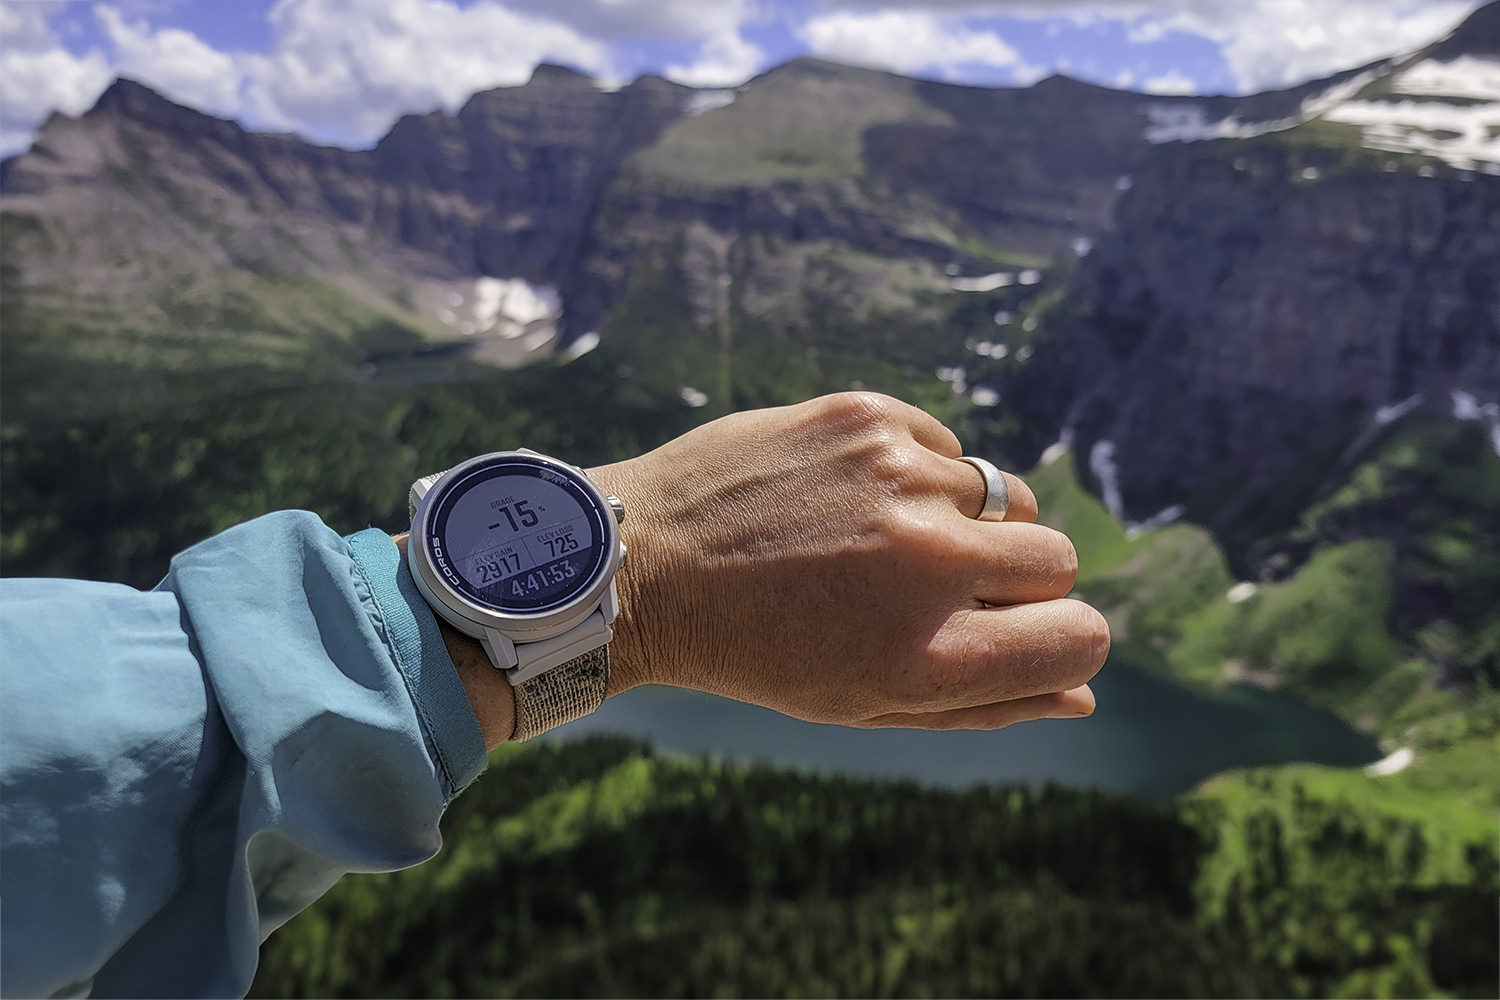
(473, 618)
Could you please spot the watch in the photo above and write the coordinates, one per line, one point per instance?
(520, 551)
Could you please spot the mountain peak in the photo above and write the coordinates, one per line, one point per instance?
(127, 96)
(1479, 34)
(556, 73)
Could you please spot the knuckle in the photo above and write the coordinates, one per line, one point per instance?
(894, 463)
(861, 407)
(1092, 628)
(1066, 574)
(960, 661)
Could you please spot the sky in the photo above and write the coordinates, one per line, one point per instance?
(342, 71)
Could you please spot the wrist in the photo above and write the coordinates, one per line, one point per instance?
(490, 694)
(638, 653)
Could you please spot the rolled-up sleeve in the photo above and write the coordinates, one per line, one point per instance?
(183, 769)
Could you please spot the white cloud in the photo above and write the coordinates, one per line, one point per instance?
(905, 41)
(649, 19)
(1170, 82)
(1274, 43)
(340, 69)
(176, 62)
(39, 76)
(355, 65)
(1147, 30)
(344, 69)
(1266, 43)
(725, 60)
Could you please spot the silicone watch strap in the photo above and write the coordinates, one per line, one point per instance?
(568, 691)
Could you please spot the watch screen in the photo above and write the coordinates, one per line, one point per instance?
(517, 536)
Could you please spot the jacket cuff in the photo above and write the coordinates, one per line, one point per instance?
(410, 630)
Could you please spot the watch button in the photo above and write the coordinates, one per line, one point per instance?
(623, 553)
(617, 505)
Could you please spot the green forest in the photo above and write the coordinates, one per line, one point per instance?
(600, 868)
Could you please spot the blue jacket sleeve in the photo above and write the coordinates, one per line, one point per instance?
(182, 770)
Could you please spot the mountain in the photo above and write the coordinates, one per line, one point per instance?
(1274, 315)
(1287, 287)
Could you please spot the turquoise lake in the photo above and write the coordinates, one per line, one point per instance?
(1149, 737)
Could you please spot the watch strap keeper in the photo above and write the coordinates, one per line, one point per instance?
(562, 694)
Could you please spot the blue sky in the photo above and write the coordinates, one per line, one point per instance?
(342, 70)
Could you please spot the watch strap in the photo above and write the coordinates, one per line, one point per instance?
(568, 691)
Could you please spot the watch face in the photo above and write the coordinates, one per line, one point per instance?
(517, 535)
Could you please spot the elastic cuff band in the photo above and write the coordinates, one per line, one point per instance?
(417, 646)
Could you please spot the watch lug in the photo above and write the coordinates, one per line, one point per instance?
(419, 490)
(544, 654)
(610, 605)
(499, 648)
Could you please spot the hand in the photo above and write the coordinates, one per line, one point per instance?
(823, 560)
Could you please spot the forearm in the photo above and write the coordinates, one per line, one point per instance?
(186, 768)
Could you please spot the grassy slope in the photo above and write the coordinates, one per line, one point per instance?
(1324, 633)
(196, 339)
(801, 122)
(785, 327)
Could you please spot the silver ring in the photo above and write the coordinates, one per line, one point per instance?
(996, 492)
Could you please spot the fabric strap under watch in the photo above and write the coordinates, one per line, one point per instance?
(568, 691)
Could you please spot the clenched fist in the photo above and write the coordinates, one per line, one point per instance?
(824, 560)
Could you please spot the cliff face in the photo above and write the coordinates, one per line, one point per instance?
(1254, 309)
(506, 186)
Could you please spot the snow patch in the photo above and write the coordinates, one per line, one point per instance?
(1082, 246)
(701, 102)
(1102, 465)
(1124, 182)
(1003, 317)
(984, 282)
(1462, 135)
(1024, 355)
(693, 397)
(1475, 77)
(1160, 519)
(1057, 449)
(1387, 414)
(1030, 276)
(508, 306)
(1187, 122)
(1383, 416)
(1241, 592)
(986, 349)
(1466, 406)
(1398, 761)
(983, 395)
(586, 342)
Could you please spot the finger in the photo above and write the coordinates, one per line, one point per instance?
(930, 432)
(1020, 563)
(981, 656)
(969, 491)
(1074, 704)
